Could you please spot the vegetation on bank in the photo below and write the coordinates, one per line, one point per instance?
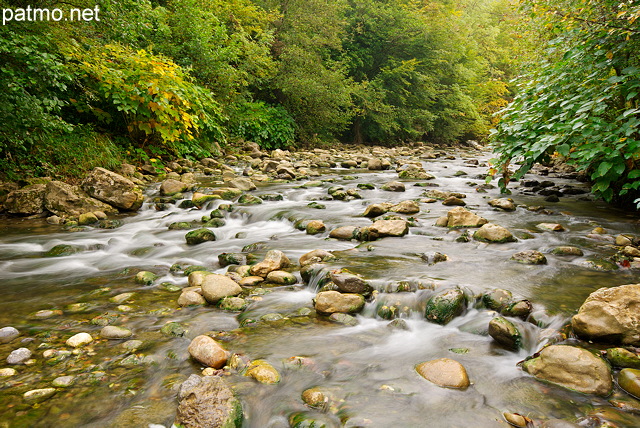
(579, 98)
(162, 78)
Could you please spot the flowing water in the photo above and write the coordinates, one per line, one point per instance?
(370, 367)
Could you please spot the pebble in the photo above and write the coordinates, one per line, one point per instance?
(63, 381)
(7, 334)
(19, 356)
(39, 395)
(6, 372)
(79, 339)
(113, 332)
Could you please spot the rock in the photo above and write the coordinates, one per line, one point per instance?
(232, 304)
(374, 210)
(460, 217)
(196, 277)
(216, 287)
(393, 186)
(453, 201)
(87, 219)
(249, 200)
(145, 277)
(226, 259)
(199, 200)
(620, 357)
(28, 201)
(623, 241)
(39, 395)
(550, 227)
(315, 227)
(7, 334)
(8, 372)
(63, 381)
(329, 302)
(505, 333)
(208, 352)
(344, 319)
(208, 402)
(496, 299)
(191, 298)
(113, 189)
(19, 356)
(406, 207)
(520, 309)
(572, 368)
(62, 250)
(199, 236)
(558, 423)
(444, 372)
(345, 233)
(517, 420)
(631, 251)
(374, 164)
(349, 283)
(227, 193)
(263, 372)
(66, 200)
(79, 340)
(251, 281)
(315, 256)
(610, 314)
(273, 260)
(530, 257)
(173, 329)
(567, 250)
(170, 187)
(504, 204)
(629, 380)
(243, 184)
(445, 306)
(281, 277)
(113, 332)
(493, 233)
(390, 228)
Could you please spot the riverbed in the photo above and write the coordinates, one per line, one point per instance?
(369, 367)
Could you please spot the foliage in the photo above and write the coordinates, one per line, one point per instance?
(270, 126)
(147, 95)
(581, 100)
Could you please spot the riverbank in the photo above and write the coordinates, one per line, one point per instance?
(324, 279)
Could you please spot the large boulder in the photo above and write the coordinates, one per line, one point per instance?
(208, 402)
(273, 260)
(66, 200)
(170, 187)
(215, 287)
(611, 315)
(114, 189)
(207, 351)
(573, 368)
(461, 217)
(28, 200)
(330, 302)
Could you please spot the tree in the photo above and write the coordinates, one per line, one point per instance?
(581, 99)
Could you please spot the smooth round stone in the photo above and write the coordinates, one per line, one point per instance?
(114, 332)
(79, 340)
(132, 345)
(263, 372)
(39, 395)
(19, 356)
(63, 381)
(444, 372)
(7, 334)
(629, 380)
(207, 351)
(47, 313)
(121, 298)
(6, 372)
(124, 308)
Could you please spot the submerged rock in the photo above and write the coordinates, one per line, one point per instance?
(114, 332)
(208, 402)
(567, 250)
(621, 357)
(19, 356)
(504, 204)
(263, 372)
(444, 372)
(629, 380)
(216, 287)
(39, 395)
(573, 368)
(79, 340)
(7, 334)
(611, 315)
(530, 257)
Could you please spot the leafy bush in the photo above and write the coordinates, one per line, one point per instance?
(270, 126)
(147, 96)
(582, 103)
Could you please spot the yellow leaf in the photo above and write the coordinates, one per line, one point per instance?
(609, 55)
